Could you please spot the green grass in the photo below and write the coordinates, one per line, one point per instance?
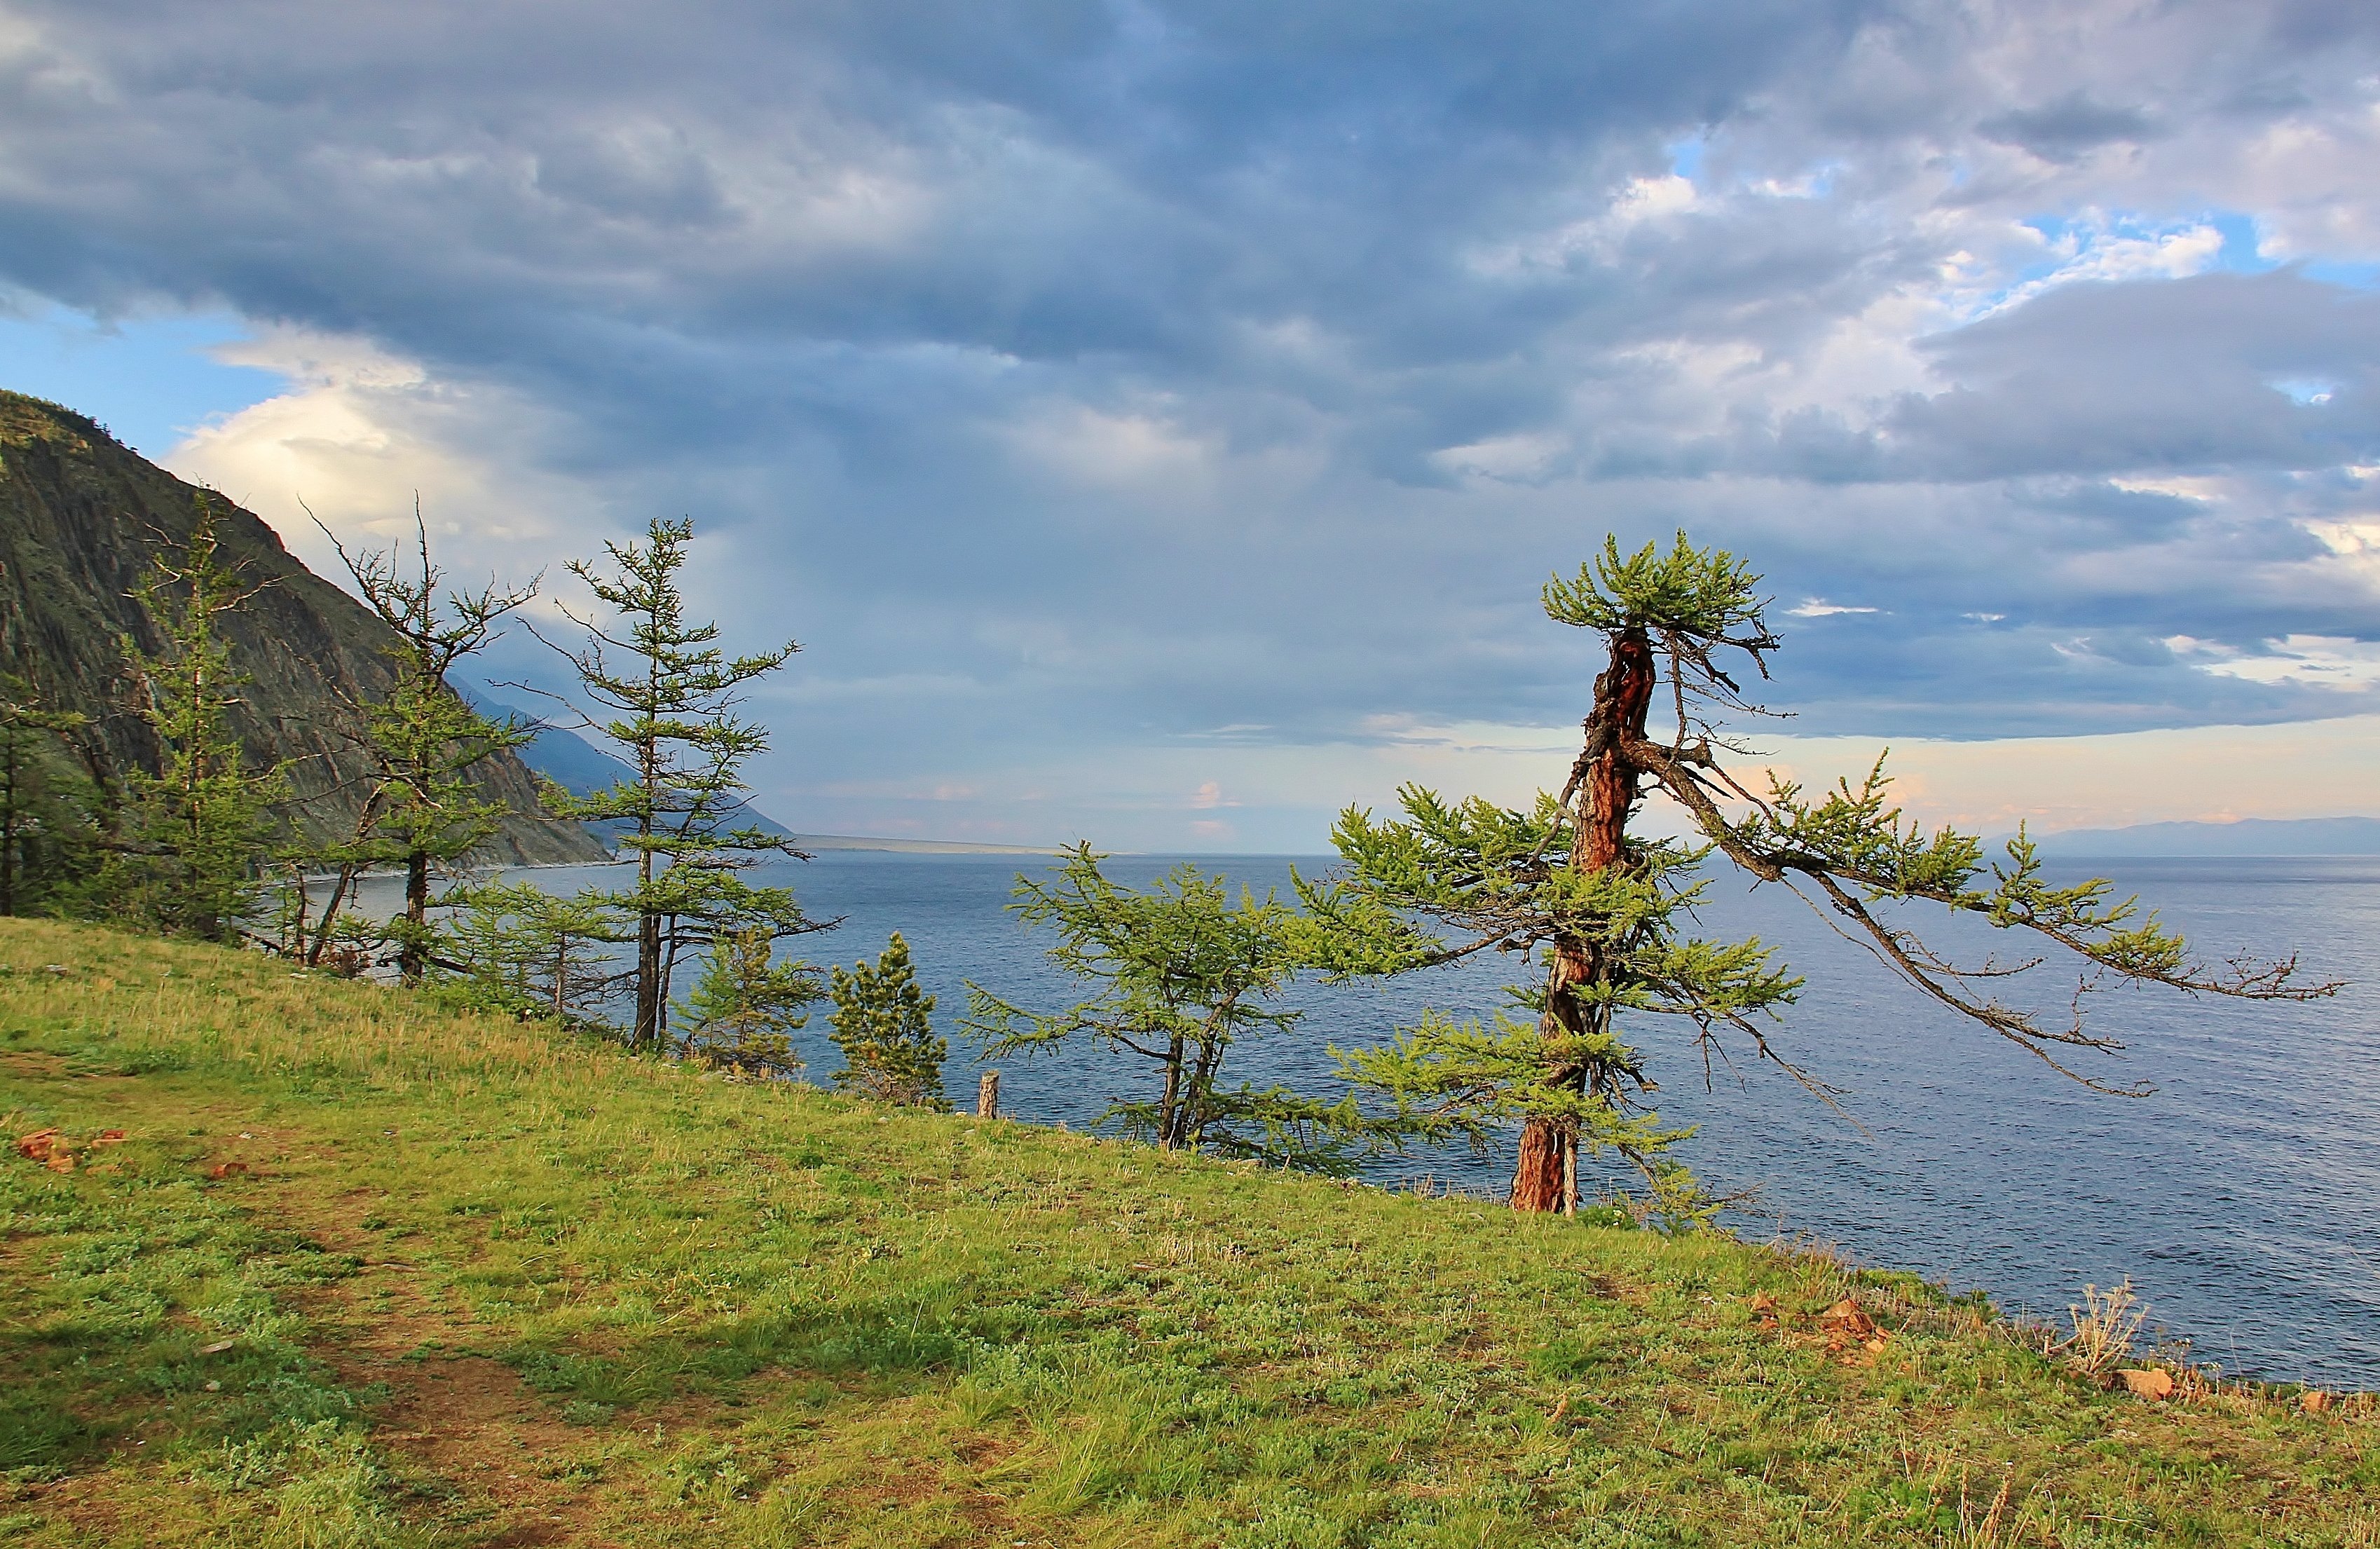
(483, 1286)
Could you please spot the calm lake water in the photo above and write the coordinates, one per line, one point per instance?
(2240, 1198)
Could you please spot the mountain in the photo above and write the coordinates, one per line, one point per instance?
(2293, 836)
(81, 517)
(579, 766)
(556, 752)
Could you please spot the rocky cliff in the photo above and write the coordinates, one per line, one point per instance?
(81, 517)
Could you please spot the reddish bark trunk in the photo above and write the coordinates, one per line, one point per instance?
(1606, 788)
(1624, 698)
(1537, 1182)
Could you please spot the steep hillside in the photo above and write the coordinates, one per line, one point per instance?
(311, 1263)
(81, 516)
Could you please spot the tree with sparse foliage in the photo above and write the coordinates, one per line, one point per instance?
(670, 697)
(747, 1005)
(422, 813)
(1564, 884)
(884, 1025)
(1184, 974)
(196, 830)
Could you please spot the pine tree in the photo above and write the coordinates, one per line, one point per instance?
(883, 1025)
(672, 695)
(746, 1004)
(423, 812)
(198, 830)
(1564, 884)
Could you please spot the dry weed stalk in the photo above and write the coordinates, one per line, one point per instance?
(1986, 1532)
(2105, 1326)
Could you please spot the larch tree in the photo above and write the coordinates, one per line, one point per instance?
(47, 807)
(1182, 972)
(748, 1004)
(667, 697)
(520, 949)
(423, 812)
(197, 829)
(1566, 884)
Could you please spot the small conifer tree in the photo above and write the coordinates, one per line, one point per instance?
(423, 813)
(746, 1004)
(520, 949)
(669, 695)
(1180, 974)
(199, 828)
(883, 1025)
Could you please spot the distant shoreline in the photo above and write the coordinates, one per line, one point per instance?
(916, 847)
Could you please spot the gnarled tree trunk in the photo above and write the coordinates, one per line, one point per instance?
(1605, 787)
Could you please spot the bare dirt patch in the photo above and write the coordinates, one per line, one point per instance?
(463, 1428)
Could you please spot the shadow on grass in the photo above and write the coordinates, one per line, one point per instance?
(887, 1339)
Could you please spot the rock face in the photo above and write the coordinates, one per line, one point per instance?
(81, 517)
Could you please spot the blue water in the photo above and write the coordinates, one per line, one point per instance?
(2239, 1198)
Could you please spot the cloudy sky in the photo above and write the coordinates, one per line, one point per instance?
(1155, 418)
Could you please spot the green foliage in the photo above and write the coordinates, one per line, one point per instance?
(747, 1002)
(1451, 878)
(1859, 836)
(1854, 848)
(671, 694)
(196, 832)
(1708, 593)
(1477, 1077)
(883, 1025)
(1184, 973)
(50, 809)
(523, 951)
(1564, 885)
(423, 814)
(767, 1315)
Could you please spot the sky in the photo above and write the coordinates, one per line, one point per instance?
(1155, 421)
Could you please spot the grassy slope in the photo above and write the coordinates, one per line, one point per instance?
(481, 1287)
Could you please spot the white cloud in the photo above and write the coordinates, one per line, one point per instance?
(1507, 457)
(2114, 248)
(363, 432)
(1075, 384)
(2311, 661)
(2355, 544)
(1640, 201)
(1144, 453)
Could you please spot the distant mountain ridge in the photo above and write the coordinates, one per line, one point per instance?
(579, 766)
(2282, 836)
(82, 517)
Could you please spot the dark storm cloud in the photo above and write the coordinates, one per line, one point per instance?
(2065, 130)
(1079, 371)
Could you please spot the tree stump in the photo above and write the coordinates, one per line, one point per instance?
(987, 1095)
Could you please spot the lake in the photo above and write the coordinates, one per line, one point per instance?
(2239, 1198)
